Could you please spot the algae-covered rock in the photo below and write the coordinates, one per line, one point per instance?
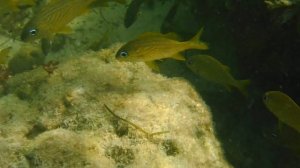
(63, 148)
(16, 118)
(27, 58)
(94, 111)
(11, 154)
(26, 84)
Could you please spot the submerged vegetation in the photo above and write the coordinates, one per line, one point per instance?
(253, 40)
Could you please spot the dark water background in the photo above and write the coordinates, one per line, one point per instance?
(258, 43)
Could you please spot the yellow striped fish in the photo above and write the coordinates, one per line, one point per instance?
(152, 46)
(53, 18)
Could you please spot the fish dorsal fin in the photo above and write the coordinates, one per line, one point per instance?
(196, 42)
(197, 37)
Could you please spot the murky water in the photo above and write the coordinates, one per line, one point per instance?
(71, 94)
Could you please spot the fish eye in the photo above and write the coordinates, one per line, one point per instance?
(33, 32)
(265, 97)
(123, 54)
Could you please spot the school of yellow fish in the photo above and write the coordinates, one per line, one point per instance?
(155, 46)
(53, 18)
(152, 46)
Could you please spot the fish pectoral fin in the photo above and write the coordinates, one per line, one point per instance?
(153, 65)
(66, 30)
(178, 56)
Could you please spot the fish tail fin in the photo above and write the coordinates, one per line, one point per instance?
(196, 43)
(242, 86)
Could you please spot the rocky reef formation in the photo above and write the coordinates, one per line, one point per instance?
(60, 119)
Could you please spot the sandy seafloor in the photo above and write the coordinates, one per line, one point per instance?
(59, 120)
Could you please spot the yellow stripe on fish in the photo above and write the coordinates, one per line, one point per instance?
(53, 18)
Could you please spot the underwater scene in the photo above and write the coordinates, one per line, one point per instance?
(149, 84)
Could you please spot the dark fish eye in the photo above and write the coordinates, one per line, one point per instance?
(33, 32)
(123, 54)
(265, 97)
